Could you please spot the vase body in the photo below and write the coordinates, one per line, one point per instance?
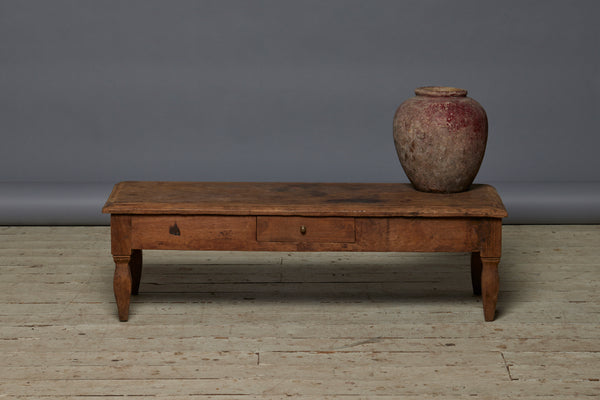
(440, 136)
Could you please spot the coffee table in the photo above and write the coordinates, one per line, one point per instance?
(247, 216)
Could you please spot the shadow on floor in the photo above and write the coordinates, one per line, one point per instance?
(298, 282)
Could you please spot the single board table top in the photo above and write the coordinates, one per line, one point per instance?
(302, 199)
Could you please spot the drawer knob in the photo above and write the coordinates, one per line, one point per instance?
(303, 230)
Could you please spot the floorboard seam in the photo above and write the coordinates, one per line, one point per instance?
(507, 366)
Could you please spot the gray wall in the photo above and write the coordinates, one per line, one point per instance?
(94, 92)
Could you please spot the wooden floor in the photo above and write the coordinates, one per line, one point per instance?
(312, 325)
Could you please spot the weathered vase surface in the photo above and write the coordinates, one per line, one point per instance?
(440, 136)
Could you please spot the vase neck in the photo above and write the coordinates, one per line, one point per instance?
(440, 91)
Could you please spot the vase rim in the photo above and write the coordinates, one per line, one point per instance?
(440, 91)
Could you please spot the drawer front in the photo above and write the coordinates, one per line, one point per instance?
(305, 229)
(179, 232)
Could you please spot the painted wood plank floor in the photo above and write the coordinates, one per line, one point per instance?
(236, 325)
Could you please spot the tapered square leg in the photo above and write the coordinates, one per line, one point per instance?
(135, 266)
(476, 273)
(490, 283)
(122, 285)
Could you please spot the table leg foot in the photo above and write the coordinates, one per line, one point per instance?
(135, 266)
(122, 285)
(490, 284)
(476, 273)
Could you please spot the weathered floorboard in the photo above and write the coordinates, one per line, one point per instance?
(232, 325)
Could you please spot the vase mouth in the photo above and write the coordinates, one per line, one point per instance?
(440, 91)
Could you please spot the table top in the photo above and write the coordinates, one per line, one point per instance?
(301, 199)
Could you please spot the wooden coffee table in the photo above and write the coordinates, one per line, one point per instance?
(302, 217)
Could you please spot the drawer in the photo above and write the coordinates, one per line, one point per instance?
(305, 229)
(198, 232)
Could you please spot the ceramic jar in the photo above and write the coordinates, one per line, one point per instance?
(440, 136)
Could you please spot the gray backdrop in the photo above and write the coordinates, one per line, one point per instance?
(95, 92)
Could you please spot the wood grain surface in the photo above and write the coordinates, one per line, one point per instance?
(306, 199)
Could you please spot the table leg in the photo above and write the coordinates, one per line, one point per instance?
(491, 250)
(125, 258)
(135, 266)
(122, 285)
(476, 273)
(490, 284)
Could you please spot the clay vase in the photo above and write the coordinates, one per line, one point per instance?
(440, 136)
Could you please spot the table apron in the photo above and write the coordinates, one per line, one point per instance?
(239, 233)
